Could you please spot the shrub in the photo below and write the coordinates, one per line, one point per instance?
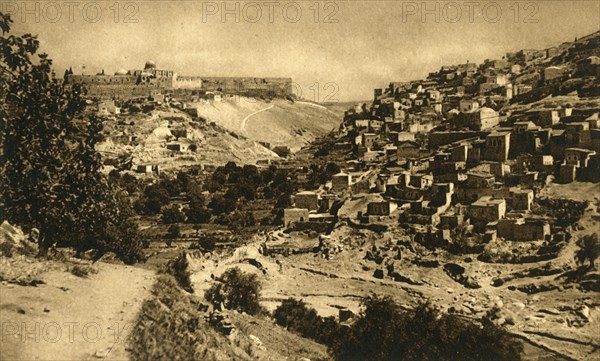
(204, 244)
(172, 214)
(178, 267)
(83, 270)
(385, 332)
(197, 213)
(297, 317)
(236, 290)
(123, 238)
(589, 249)
(221, 205)
(174, 231)
(6, 249)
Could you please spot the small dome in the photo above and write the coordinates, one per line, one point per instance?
(121, 72)
(150, 65)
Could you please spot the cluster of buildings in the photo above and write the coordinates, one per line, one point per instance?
(443, 152)
(125, 84)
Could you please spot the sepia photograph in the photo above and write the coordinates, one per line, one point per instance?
(306, 180)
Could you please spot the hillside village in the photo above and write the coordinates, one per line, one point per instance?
(470, 191)
(471, 143)
(462, 161)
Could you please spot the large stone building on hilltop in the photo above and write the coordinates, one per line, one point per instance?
(134, 83)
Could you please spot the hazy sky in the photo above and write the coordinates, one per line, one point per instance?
(342, 48)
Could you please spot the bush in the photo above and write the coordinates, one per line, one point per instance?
(178, 267)
(83, 270)
(124, 240)
(169, 326)
(221, 205)
(385, 332)
(172, 214)
(236, 290)
(174, 231)
(589, 249)
(197, 213)
(6, 249)
(297, 317)
(204, 244)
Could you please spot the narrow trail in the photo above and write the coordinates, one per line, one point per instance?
(73, 318)
(245, 120)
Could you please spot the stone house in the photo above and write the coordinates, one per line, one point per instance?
(546, 117)
(307, 199)
(294, 215)
(107, 107)
(383, 208)
(521, 199)
(480, 119)
(578, 157)
(524, 126)
(468, 105)
(408, 149)
(487, 209)
(178, 146)
(497, 146)
(341, 181)
(523, 229)
(369, 140)
(553, 72)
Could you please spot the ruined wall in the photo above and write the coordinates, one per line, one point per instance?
(249, 86)
(125, 86)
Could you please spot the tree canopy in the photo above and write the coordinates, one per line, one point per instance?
(50, 170)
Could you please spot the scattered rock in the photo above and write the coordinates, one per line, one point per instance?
(585, 312)
(519, 305)
(378, 273)
(103, 353)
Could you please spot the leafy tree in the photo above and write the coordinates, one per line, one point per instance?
(589, 250)
(154, 198)
(198, 213)
(173, 232)
(297, 317)
(247, 190)
(184, 179)
(172, 214)
(221, 205)
(178, 267)
(172, 186)
(195, 192)
(50, 170)
(236, 290)
(385, 332)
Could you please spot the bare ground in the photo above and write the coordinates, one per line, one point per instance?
(73, 318)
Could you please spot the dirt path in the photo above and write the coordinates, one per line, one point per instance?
(245, 120)
(72, 318)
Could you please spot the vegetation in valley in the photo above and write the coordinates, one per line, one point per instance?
(384, 331)
(236, 290)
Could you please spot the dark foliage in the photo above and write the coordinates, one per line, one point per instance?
(236, 290)
(172, 214)
(589, 250)
(178, 267)
(220, 204)
(50, 170)
(385, 332)
(297, 317)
